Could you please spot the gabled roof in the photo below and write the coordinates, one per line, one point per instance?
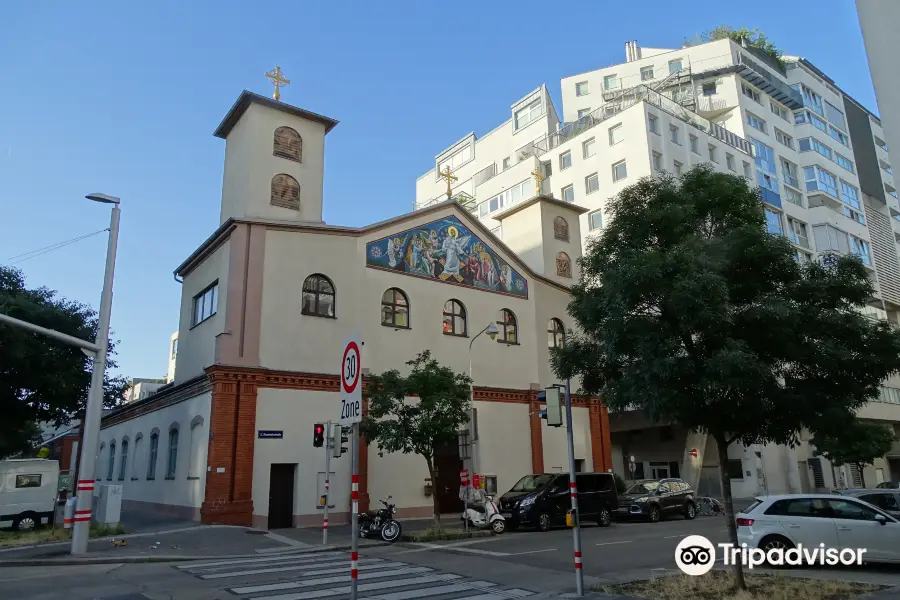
(247, 98)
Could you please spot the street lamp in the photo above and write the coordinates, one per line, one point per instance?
(84, 485)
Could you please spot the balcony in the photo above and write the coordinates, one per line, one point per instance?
(770, 197)
(751, 70)
(486, 174)
(818, 195)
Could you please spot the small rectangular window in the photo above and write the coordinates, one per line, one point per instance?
(620, 171)
(729, 161)
(582, 89)
(735, 469)
(756, 122)
(506, 162)
(784, 139)
(657, 161)
(616, 134)
(28, 481)
(568, 193)
(588, 149)
(591, 183)
(678, 168)
(750, 93)
(595, 220)
(694, 142)
(565, 160)
(584, 112)
(675, 134)
(205, 304)
(675, 66)
(709, 89)
(610, 82)
(646, 73)
(653, 124)
(713, 154)
(747, 172)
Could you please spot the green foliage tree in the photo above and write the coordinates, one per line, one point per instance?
(691, 312)
(417, 413)
(754, 38)
(42, 380)
(854, 443)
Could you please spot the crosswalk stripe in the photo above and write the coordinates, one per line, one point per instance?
(423, 592)
(363, 587)
(325, 562)
(311, 569)
(343, 578)
(244, 561)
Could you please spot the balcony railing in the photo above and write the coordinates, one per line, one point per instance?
(486, 174)
(753, 71)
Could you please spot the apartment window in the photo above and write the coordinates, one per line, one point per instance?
(850, 195)
(750, 93)
(675, 66)
(675, 134)
(205, 304)
(797, 232)
(861, 249)
(854, 215)
(729, 161)
(818, 179)
(807, 144)
(568, 193)
(318, 295)
(793, 196)
(802, 117)
(839, 136)
(784, 139)
(151, 460)
(713, 154)
(694, 143)
(779, 110)
(835, 115)
(886, 167)
(174, 348)
(747, 172)
(565, 160)
(123, 461)
(506, 162)
(812, 100)
(587, 148)
(395, 308)
(844, 162)
(595, 220)
(527, 115)
(789, 172)
(880, 143)
(646, 73)
(582, 89)
(616, 134)
(678, 168)
(657, 161)
(653, 124)
(709, 89)
(591, 183)
(764, 157)
(610, 82)
(802, 257)
(620, 171)
(890, 190)
(454, 318)
(755, 122)
(584, 112)
(457, 159)
(773, 222)
(172, 462)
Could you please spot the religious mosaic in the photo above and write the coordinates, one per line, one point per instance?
(446, 250)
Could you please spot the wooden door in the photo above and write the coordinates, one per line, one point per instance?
(281, 495)
(448, 465)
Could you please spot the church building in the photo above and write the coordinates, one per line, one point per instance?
(270, 296)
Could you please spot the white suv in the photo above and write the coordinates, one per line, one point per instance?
(812, 519)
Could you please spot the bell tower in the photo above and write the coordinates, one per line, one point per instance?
(274, 158)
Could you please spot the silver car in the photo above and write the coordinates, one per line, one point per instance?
(886, 499)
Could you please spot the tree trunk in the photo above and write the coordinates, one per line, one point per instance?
(862, 475)
(434, 495)
(737, 568)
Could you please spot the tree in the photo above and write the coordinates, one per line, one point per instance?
(397, 421)
(691, 312)
(753, 37)
(855, 443)
(42, 380)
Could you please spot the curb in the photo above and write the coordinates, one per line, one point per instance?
(160, 558)
(444, 537)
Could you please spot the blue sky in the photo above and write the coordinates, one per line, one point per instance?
(123, 97)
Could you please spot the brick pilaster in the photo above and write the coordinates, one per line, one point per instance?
(601, 452)
(537, 437)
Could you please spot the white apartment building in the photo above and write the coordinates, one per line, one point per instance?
(817, 155)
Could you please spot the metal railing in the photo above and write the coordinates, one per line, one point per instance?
(710, 104)
(486, 174)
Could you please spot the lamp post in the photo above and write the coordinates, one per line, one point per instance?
(492, 331)
(84, 485)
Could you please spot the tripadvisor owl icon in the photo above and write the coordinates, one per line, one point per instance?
(695, 555)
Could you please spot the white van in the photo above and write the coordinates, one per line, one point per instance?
(28, 491)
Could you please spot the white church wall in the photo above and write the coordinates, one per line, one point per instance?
(556, 454)
(504, 444)
(180, 495)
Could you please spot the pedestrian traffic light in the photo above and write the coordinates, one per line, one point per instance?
(553, 411)
(340, 438)
(319, 435)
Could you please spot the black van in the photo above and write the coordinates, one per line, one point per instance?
(542, 500)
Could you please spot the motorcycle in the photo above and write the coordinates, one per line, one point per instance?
(380, 523)
(490, 518)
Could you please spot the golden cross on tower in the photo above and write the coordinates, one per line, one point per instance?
(448, 176)
(538, 180)
(278, 79)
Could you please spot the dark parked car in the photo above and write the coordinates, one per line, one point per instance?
(542, 500)
(655, 500)
(886, 500)
(888, 485)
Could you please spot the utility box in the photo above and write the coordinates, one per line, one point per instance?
(109, 504)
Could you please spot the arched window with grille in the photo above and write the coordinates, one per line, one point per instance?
(395, 309)
(561, 229)
(563, 265)
(154, 453)
(454, 318)
(111, 464)
(285, 192)
(172, 462)
(136, 452)
(318, 296)
(123, 461)
(556, 334)
(288, 144)
(509, 329)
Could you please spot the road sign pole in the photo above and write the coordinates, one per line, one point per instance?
(329, 440)
(354, 514)
(573, 492)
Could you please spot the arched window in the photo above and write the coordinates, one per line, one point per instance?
(563, 265)
(197, 437)
(509, 330)
(287, 144)
(395, 309)
(123, 461)
(454, 318)
(285, 192)
(556, 334)
(111, 464)
(138, 442)
(561, 229)
(154, 452)
(172, 463)
(318, 296)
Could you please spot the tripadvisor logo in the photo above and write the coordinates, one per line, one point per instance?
(696, 555)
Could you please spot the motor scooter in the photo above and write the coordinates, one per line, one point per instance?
(490, 518)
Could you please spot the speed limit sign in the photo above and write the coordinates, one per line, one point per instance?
(351, 382)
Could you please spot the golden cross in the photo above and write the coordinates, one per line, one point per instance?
(538, 179)
(278, 79)
(448, 176)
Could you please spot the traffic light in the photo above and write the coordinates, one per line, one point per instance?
(319, 435)
(340, 438)
(553, 412)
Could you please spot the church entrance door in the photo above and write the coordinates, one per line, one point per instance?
(281, 496)
(448, 464)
